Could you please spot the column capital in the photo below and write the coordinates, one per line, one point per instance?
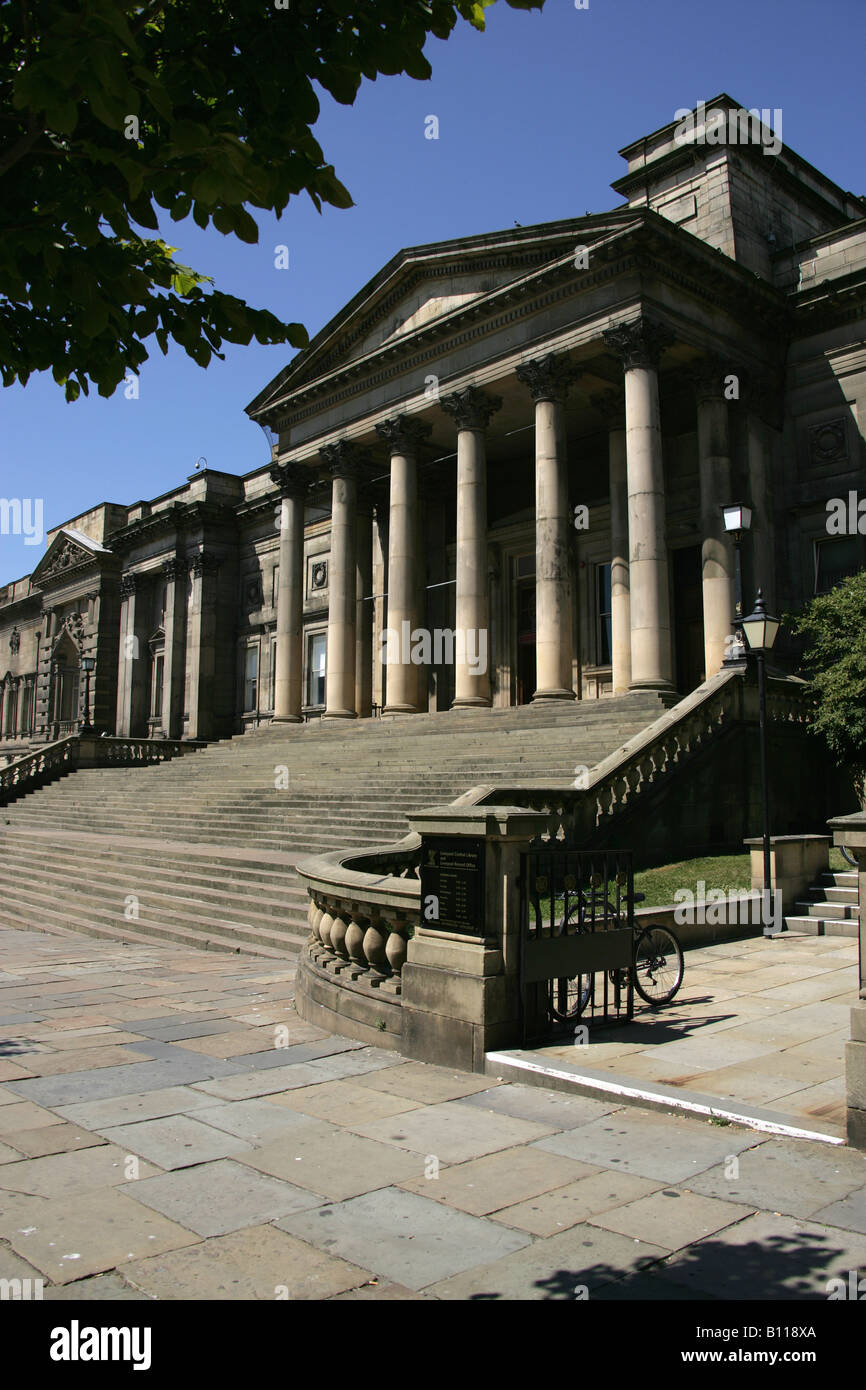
(611, 405)
(204, 563)
(128, 583)
(175, 567)
(638, 343)
(290, 478)
(706, 377)
(548, 377)
(344, 459)
(403, 433)
(471, 408)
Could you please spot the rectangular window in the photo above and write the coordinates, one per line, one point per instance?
(835, 560)
(251, 680)
(603, 608)
(156, 689)
(316, 659)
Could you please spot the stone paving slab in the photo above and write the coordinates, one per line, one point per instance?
(121, 1081)
(100, 1288)
(176, 1141)
(565, 1266)
(52, 1139)
(498, 1180)
(256, 1120)
(670, 1218)
(768, 1257)
(97, 1232)
(344, 1103)
(100, 1115)
(551, 1212)
(334, 1163)
(451, 1131)
(850, 1212)
(552, 1109)
(216, 1198)
(427, 1084)
(66, 1175)
(790, 1176)
(651, 1146)
(403, 1236)
(259, 1262)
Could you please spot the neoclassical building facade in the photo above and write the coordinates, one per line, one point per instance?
(497, 475)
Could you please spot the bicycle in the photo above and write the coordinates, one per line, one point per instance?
(657, 960)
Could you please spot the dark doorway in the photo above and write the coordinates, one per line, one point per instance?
(526, 674)
(688, 618)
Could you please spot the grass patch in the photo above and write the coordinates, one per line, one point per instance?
(732, 873)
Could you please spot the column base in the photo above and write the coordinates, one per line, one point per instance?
(664, 687)
(287, 719)
(543, 697)
(472, 702)
(339, 714)
(401, 709)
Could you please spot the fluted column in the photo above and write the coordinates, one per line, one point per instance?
(176, 571)
(288, 694)
(471, 410)
(639, 345)
(714, 465)
(548, 379)
(404, 437)
(612, 407)
(342, 459)
(126, 660)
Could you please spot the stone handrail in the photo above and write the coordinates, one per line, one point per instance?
(54, 760)
(363, 903)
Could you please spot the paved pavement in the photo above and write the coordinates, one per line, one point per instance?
(762, 1021)
(169, 1129)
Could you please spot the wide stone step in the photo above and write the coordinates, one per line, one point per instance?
(183, 859)
(842, 911)
(823, 926)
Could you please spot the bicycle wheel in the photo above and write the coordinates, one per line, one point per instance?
(658, 965)
(570, 995)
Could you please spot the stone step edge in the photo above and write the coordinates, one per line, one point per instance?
(522, 1066)
(177, 936)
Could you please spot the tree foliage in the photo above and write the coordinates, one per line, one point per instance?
(834, 626)
(114, 109)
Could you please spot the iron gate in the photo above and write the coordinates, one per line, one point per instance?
(577, 938)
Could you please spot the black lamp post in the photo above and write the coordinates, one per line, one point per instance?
(88, 663)
(738, 520)
(760, 630)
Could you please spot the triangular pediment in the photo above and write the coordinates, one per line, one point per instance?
(424, 284)
(67, 552)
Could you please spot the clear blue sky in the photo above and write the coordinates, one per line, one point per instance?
(531, 115)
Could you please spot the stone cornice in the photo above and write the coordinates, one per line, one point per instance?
(178, 518)
(702, 273)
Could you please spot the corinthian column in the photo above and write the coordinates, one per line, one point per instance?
(612, 407)
(714, 463)
(343, 461)
(403, 435)
(639, 345)
(471, 410)
(291, 481)
(549, 379)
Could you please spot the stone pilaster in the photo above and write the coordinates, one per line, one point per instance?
(549, 379)
(288, 693)
(471, 411)
(639, 345)
(404, 437)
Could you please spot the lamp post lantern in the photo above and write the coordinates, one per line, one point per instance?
(88, 664)
(760, 630)
(738, 520)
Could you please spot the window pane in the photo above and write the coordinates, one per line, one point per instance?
(834, 561)
(604, 645)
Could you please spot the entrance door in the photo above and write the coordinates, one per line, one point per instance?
(526, 672)
(688, 618)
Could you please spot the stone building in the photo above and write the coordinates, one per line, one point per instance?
(497, 475)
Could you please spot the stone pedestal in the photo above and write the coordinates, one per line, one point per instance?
(461, 993)
(796, 861)
(850, 832)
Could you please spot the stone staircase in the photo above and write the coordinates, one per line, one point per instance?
(832, 908)
(201, 850)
